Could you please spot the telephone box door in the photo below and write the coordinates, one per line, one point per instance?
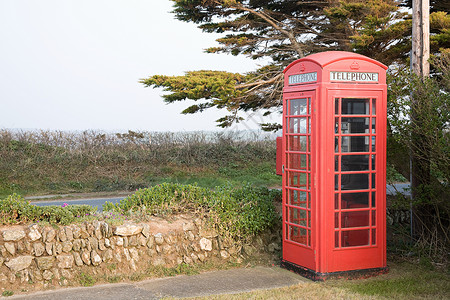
(359, 185)
(298, 203)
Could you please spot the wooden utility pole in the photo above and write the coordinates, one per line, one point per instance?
(420, 164)
(421, 38)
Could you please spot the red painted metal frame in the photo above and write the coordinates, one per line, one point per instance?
(279, 165)
(309, 226)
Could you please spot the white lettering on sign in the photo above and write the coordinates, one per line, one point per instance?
(353, 76)
(302, 78)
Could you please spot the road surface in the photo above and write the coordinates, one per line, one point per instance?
(98, 202)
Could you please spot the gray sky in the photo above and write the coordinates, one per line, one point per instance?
(75, 65)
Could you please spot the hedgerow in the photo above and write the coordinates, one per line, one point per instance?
(239, 212)
(15, 210)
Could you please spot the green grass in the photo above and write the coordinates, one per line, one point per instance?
(7, 293)
(261, 175)
(87, 279)
(35, 163)
(405, 281)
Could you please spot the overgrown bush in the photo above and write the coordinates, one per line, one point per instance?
(14, 210)
(62, 162)
(419, 118)
(236, 211)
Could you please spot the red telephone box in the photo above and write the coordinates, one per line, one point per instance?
(334, 166)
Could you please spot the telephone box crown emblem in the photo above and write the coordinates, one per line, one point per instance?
(354, 66)
(302, 68)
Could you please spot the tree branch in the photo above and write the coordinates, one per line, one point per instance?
(273, 22)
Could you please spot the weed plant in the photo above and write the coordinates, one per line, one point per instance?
(237, 211)
(15, 210)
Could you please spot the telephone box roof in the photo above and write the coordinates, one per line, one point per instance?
(325, 58)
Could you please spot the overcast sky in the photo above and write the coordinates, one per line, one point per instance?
(75, 65)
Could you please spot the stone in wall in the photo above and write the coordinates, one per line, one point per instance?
(69, 233)
(13, 234)
(77, 259)
(146, 230)
(11, 248)
(38, 249)
(19, 263)
(34, 233)
(205, 244)
(95, 258)
(128, 229)
(86, 257)
(45, 263)
(50, 235)
(65, 261)
(159, 239)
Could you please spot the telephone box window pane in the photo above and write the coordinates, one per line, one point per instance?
(355, 181)
(297, 125)
(374, 125)
(355, 144)
(373, 180)
(297, 216)
(298, 107)
(336, 239)
(336, 125)
(336, 144)
(336, 220)
(355, 125)
(374, 107)
(297, 143)
(298, 234)
(336, 163)
(309, 143)
(373, 144)
(373, 217)
(355, 106)
(354, 163)
(309, 199)
(336, 182)
(373, 199)
(336, 106)
(354, 219)
(354, 200)
(297, 161)
(374, 236)
(336, 201)
(373, 162)
(297, 180)
(297, 198)
(309, 237)
(355, 238)
(309, 218)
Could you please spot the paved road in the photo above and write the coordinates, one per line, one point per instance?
(403, 188)
(205, 284)
(98, 202)
(93, 202)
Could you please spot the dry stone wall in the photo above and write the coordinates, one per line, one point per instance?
(45, 255)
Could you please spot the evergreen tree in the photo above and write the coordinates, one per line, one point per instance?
(282, 31)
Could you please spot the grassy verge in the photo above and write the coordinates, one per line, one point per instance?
(405, 280)
(52, 162)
